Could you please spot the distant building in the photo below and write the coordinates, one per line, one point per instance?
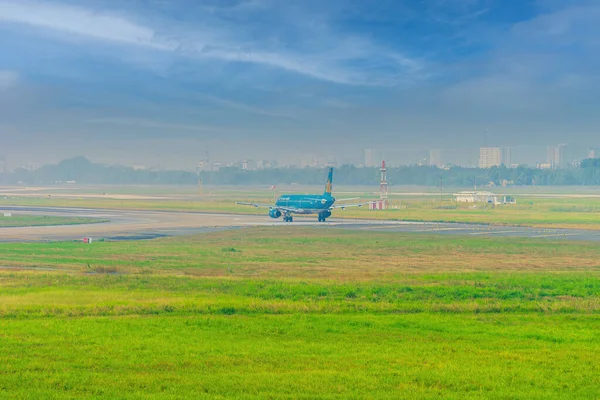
(378, 205)
(572, 154)
(490, 157)
(475, 197)
(204, 165)
(593, 152)
(575, 164)
(555, 156)
(506, 154)
(436, 158)
(309, 160)
(482, 197)
(494, 157)
(370, 158)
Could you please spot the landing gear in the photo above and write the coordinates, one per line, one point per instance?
(288, 218)
(323, 215)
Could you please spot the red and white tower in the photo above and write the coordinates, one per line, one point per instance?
(382, 203)
(384, 184)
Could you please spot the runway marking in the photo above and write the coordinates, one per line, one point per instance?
(367, 228)
(409, 230)
(440, 229)
(555, 235)
(493, 232)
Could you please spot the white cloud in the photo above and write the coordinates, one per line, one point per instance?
(547, 64)
(8, 79)
(80, 21)
(352, 62)
(568, 24)
(317, 52)
(302, 65)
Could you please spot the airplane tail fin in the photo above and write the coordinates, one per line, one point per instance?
(329, 184)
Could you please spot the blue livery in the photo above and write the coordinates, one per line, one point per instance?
(320, 204)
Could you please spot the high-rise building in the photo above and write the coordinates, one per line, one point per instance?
(436, 158)
(506, 153)
(369, 158)
(554, 156)
(494, 157)
(490, 157)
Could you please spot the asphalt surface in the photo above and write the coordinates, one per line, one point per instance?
(138, 225)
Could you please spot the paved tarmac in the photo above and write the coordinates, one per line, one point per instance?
(136, 225)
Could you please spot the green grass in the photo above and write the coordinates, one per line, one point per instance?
(301, 313)
(44, 220)
(302, 356)
(45, 295)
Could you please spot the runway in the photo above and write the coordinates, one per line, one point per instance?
(132, 225)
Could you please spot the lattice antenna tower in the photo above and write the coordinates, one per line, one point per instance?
(384, 184)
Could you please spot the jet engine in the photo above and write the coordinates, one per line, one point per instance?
(274, 213)
(326, 214)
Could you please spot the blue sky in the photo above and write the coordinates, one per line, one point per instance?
(141, 80)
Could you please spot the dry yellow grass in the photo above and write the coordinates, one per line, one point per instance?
(308, 253)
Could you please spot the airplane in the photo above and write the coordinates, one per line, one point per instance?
(289, 204)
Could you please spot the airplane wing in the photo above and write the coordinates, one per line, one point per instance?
(336, 200)
(255, 205)
(269, 206)
(344, 206)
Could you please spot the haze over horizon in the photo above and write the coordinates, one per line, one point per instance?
(163, 82)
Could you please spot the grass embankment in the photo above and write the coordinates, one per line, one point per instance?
(540, 212)
(301, 313)
(42, 220)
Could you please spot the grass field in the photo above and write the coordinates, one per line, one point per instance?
(44, 220)
(301, 313)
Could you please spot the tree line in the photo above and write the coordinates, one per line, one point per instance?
(82, 171)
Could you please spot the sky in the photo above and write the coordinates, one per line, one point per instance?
(167, 83)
